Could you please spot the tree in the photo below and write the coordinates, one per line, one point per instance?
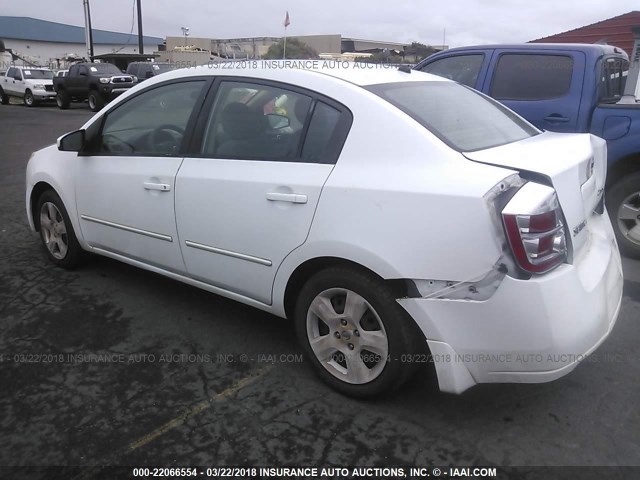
(417, 51)
(295, 49)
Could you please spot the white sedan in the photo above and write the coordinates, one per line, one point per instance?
(394, 217)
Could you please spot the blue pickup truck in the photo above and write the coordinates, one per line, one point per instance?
(565, 88)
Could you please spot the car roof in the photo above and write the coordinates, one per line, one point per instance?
(361, 74)
(584, 47)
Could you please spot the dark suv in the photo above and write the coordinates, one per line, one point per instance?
(96, 82)
(144, 70)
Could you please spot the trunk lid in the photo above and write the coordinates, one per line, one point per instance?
(574, 164)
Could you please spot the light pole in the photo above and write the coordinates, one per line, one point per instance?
(140, 42)
(87, 29)
(185, 33)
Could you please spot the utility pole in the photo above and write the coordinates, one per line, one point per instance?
(140, 38)
(88, 34)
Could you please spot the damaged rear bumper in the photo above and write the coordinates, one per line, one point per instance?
(529, 331)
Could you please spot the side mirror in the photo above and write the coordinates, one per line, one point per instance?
(277, 122)
(72, 142)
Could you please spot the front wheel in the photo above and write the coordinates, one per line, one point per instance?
(62, 100)
(623, 201)
(96, 102)
(56, 232)
(359, 340)
(4, 98)
(29, 99)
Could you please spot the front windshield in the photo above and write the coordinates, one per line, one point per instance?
(37, 74)
(105, 69)
(161, 67)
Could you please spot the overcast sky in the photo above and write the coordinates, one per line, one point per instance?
(466, 22)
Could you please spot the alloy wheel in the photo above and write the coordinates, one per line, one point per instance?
(629, 217)
(347, 336)
(54, 230)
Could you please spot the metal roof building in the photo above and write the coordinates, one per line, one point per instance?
(34, 29)
(615, 31)
(42, 43)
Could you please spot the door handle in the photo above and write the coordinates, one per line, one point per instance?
(286, 197)
(163, 187)
(556, 118)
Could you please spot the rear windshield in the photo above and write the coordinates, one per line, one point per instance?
(458, 115)
(37, 74)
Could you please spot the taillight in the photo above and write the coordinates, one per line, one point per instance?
(535, 229)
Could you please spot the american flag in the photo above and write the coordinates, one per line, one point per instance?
(286, 20)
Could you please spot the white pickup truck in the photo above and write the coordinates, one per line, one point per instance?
(33, 85)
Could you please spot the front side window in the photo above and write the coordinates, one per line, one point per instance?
(532, 77)
(461, 117)
(152, 123)
(253, 121)
(459, 68)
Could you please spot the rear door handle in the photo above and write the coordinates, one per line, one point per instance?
(557, 118)
(286, 197)
(163, 187)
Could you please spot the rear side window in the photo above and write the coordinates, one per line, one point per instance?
(322, 128)
(459, 68)
(532, 77)
(614, 79)
(461, 117)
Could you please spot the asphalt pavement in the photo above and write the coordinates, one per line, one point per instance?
(110, 364)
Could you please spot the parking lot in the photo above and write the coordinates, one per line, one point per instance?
(109, 364)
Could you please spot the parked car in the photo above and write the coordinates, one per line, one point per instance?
(565, 88)
(98, 83)
(387, 214)
(145, 70)
(32, 85)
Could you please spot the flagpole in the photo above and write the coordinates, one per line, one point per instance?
(286, 24)
(284, 51)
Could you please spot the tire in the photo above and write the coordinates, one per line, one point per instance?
(364, 357)
(4, 99)
(56, 232)
(96, 102)
(29, 100)
(62, 100)
(623, 203)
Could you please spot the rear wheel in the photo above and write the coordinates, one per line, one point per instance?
(56, 231)
(357, 337)
(96, 102)
(63, 100)
(29, 99)
(623, 201)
